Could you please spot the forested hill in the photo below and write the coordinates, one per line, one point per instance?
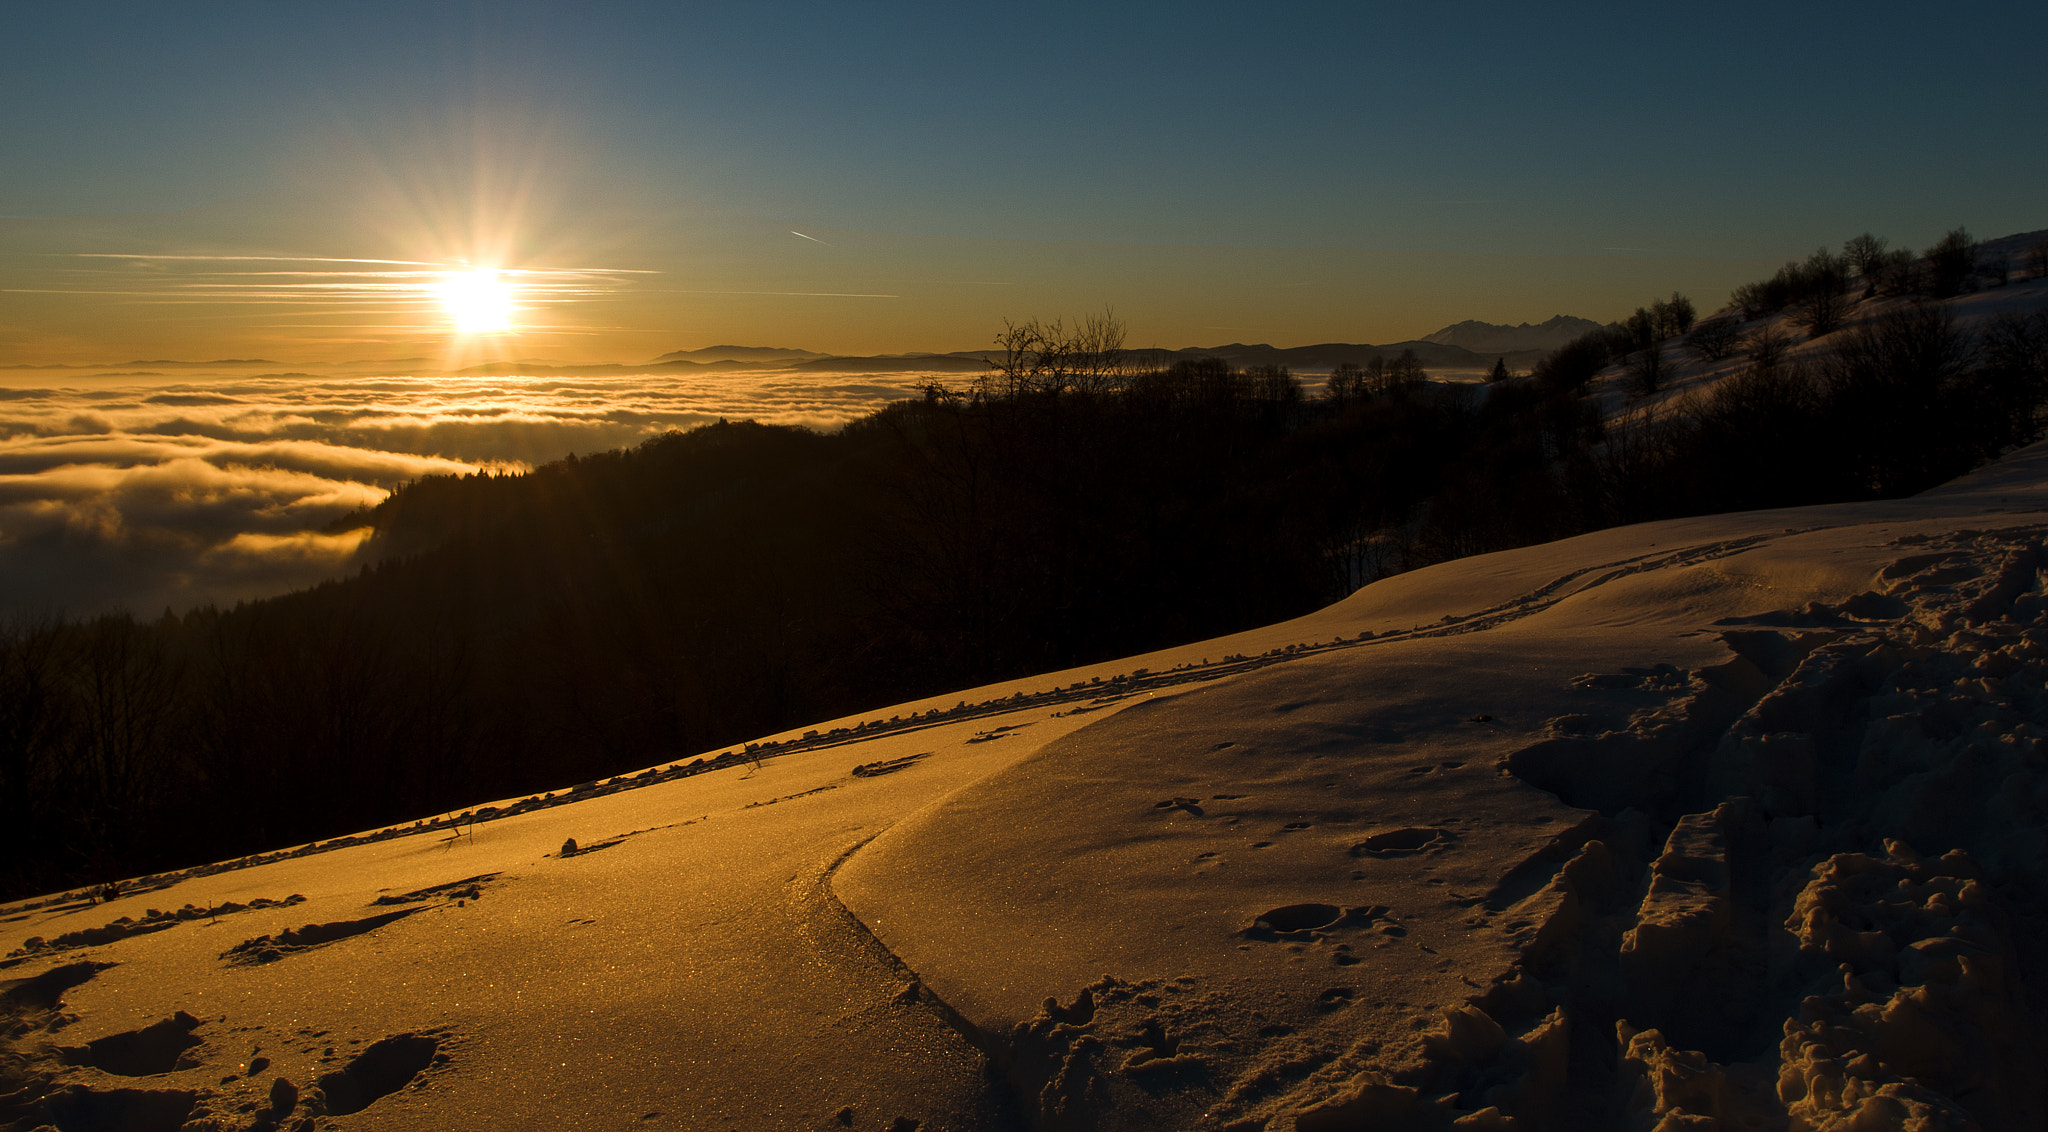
(601, 614)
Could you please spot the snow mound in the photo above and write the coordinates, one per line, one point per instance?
(1793, 879)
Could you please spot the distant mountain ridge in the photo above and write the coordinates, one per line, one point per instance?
(1329, 355)
(1495, 338)
(739, 354)
(1321, 357)
(1464, 345)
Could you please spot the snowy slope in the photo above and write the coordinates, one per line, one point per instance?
(1687, 374)
(1642, 825)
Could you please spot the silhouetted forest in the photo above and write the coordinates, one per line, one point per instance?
(609, 612)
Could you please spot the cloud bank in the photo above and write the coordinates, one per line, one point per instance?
(148, 497)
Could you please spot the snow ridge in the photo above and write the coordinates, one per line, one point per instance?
(1787, 959)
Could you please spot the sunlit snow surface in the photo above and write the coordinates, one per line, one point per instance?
(1642, 823)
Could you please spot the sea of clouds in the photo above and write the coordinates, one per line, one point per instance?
(133, 492)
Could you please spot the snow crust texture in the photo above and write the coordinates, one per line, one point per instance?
(1761, 969)
(1800, 887)
(36, 1098)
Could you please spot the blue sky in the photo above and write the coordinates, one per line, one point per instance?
(1181, 162)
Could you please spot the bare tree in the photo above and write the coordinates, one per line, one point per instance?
(1767, 348)
(1646, 370)
(1099, 356)
(1898, 274)
(1047, 358)
(1377, 377)
(1896, 383)
(1716, 338)
(1274, 383)
(1639, 329)
(1822, 284)
(1865, 254)
(1821, 313)
(2017, 341)
(1754, 300)
(1347, 384)
(1359, 552)
(1634, 445)
(2014, 376)
(1405, 370)
(1951, 263)
(1672, 317)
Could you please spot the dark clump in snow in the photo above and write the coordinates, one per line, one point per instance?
(1119, 1046)
(45, 992)
(83, 1109)
(468, 888)
(888, 766)
(153, 920)
(1401, 842)
(1301, 917)
(153, 1049)
(384, 1068)
(284, 1096)
(270, 948)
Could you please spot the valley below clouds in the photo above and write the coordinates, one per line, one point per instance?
(146, 491)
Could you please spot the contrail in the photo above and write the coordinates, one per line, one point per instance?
(812, 239)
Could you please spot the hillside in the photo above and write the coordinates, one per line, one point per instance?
(1327, 356)
(1730, 819)
(2018, 288)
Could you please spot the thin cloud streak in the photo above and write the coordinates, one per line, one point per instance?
(238, 258)
(417, 286)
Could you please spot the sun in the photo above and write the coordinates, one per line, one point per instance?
(478, 301)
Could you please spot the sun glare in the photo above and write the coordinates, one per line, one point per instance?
(478, 301)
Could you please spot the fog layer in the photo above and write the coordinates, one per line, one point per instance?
(119, 493)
